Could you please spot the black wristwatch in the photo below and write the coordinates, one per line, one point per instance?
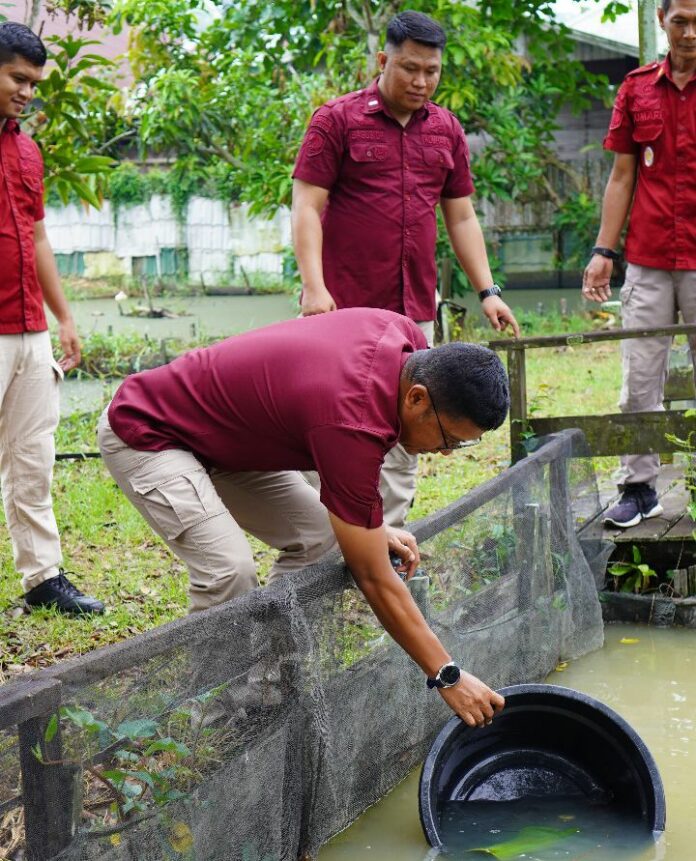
(609, 253)
(491, 291)
(446, 677)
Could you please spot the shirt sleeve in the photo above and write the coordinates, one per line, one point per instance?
(320, 156)
(620, 135)
(459, 182)
(349, 462)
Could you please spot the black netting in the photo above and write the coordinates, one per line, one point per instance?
(258, 729)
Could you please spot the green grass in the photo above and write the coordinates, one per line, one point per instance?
(117, 557)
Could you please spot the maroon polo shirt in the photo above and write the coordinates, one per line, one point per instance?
(384, 182)
(21, 205)
(656, 121)
(317, 392)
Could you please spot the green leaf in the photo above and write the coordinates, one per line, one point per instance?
(169, 745)
(636, 554)
(135, 729)
(530, 839)
(51, 728)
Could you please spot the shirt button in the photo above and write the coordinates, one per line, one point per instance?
(369, 152)
(682, 98)
(408, 197)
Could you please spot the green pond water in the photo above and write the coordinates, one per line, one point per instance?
(649, 679)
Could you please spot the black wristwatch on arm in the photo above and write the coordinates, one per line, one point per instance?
(446, 677)
(609, 253)
(491, 291)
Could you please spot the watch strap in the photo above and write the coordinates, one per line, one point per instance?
(609, 253)
(491, 291)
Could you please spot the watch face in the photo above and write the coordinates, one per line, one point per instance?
(449, 675)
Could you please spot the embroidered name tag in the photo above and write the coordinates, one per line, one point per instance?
(647, 116)
(436, 140)
(366, 134)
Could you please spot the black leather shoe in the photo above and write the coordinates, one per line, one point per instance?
(60, 593)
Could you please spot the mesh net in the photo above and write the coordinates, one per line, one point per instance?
(260, 728)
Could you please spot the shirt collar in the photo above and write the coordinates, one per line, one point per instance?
(374, 103)
(665, 70)
(11, 126)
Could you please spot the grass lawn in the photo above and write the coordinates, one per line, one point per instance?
(117, 557)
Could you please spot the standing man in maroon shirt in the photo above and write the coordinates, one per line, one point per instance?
(29, 376)
(211, 445)
(371, 171)
(653, 133)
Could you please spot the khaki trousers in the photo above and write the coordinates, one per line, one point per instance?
(29, 410)
(651, 297)
(397, 482)
(202, 516)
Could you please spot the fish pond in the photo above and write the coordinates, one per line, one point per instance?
(647, 675)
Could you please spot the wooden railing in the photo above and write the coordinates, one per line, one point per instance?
(609, 434)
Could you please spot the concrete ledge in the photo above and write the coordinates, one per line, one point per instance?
(649, 609)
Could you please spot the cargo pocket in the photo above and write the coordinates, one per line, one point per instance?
(368, 151)
(438, 157)
(648, 135)
(177, 503)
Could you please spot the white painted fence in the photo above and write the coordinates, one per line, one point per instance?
(219, 239)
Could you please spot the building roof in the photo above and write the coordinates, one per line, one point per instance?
(584, 19)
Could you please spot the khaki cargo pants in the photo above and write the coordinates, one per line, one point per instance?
(29, 410)
(202, 515)
(651, 297)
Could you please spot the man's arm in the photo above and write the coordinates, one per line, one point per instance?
(618, 197)
(308, 201)
(469, 246)
(365, 552)
(49, 279)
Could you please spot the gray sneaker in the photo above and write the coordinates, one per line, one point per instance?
(638, 502)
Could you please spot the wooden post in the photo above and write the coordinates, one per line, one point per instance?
(51, 793)
(517, 374)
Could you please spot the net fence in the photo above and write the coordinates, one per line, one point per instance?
(258, 729)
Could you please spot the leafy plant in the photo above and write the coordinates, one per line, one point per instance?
(688, 446)
(635, 576)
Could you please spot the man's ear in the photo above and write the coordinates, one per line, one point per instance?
(417, 398)
(381, 60)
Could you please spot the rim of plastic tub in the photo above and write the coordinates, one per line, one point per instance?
(517, 696)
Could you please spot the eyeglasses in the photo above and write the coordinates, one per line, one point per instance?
(452, 443)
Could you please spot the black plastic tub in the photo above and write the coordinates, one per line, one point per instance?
(548, 742)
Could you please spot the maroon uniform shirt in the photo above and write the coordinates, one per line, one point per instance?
(318, 393)
(21, 205)
(656, 121)
(384, 182)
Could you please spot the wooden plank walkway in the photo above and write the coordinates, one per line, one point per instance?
(674, 524)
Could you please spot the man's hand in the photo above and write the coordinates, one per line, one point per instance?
(475, 703)
(405, 546)
(70, 343)
(595, 281)
(499, 315)
(316, 302)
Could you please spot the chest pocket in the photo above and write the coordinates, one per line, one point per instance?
(648, 130)
(438, 158)
(365, 152)
(31, 178)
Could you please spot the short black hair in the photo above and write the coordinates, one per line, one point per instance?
(665, 5)
(466, 381)
(417, 27)
(19, 40)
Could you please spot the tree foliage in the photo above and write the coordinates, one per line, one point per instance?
(236, 82)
